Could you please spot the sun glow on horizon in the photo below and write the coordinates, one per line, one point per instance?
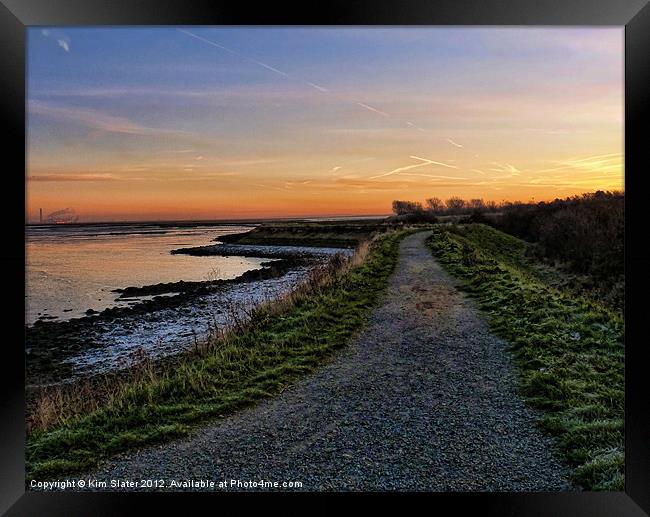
(235, 123)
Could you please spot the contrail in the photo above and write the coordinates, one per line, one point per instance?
(255, 61)
(588, 158)
(509, 168)
(434, 176)
(319, 88)
(382, 113)
(431, 161)
(408, 167)
(284, 74)
(410, 124)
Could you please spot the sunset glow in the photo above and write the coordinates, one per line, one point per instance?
(227, 123)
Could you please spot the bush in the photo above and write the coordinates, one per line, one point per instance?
(582, 233)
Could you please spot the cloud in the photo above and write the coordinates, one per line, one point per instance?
(433, 162)
(284, 74)
(72, 177)
(255, 61)
(268, 187)
(251, 60)
(602, 163)
(95, 119)
(370, 108)
(455, 144)
(261, 161)
(334, 169)
(65, 45)
(62, 40)
(319, 88)
(409, 167)
(411, 124)
(506, 167)
(433, 176)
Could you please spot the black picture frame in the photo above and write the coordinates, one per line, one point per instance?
(16, 15)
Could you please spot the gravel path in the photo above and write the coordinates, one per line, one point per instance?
(424, 399)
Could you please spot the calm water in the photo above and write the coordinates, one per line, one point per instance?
(72, 269)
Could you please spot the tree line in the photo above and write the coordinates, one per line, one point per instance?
(456, 205)
(583, 233)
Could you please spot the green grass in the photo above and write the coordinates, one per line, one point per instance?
(346, 234)
(271, 354)
(569, 349)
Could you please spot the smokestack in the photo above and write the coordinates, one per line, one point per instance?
(40, 215)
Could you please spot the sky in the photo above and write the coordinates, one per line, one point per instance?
(165, 123)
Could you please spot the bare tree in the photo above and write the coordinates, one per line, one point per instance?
(406, 207)
(455, 204)
(435, 205)
(476, 204)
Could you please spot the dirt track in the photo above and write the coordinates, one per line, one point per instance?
(423, 399)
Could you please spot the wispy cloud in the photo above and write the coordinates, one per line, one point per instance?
(273, 187)
(319, 88)
(427, 161)
(62, 40)
(370, 108)
(64, 44)
(285, 74)
(505, 167)
(245, 162)
(411, 124)
(414, 166)
(254, 61)
(612, 162)
(96, 120)
(231, 51)
(72, 177)
(455, 144)
(433, 176)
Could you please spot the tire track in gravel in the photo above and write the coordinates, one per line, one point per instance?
(423, 399)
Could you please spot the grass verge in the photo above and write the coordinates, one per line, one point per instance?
(282, 341)
(569, 350)
(325, 233)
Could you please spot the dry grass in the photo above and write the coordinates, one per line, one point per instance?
(263, 349)
(53, 406)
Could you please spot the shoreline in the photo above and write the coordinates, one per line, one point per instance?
(179, 313)
(279, 344)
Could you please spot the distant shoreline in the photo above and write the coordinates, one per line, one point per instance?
(211, 222)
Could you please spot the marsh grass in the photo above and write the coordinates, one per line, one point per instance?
(569, 349)
(262, 350)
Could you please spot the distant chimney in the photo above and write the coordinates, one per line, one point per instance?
(40, 217)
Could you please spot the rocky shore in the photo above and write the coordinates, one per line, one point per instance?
(160, 319)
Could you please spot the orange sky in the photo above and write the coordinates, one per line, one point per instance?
(135, 124)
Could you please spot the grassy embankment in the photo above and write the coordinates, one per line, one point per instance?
(569, 349)
(282, 341)
(343, 234)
